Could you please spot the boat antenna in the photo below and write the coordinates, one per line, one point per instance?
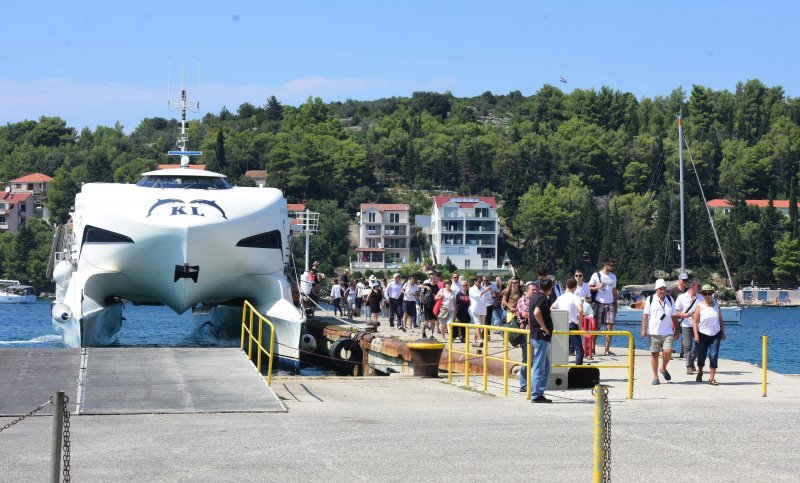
(183, 105)
(680, 160)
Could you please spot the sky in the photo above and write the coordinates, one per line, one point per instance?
(92, 64)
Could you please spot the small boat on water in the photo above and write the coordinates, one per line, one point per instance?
(768, 296)
(11, 292)
(632, 302)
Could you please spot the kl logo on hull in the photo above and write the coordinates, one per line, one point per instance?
(185, 208)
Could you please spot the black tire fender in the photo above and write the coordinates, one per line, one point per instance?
(342, 345)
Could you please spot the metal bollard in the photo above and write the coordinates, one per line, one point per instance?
(58, 428)
(764, 339)
(602, 435)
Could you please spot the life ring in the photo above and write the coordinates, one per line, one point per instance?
(346, 354)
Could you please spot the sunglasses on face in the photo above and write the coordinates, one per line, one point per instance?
(578, 275)
(707, 294)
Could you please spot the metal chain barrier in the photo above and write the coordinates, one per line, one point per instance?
(607, 441)
(65, 471)
(602, 435)
(26, 416)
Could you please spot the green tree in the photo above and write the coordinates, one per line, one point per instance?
(787, 260)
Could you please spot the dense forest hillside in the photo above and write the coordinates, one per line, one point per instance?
(591, 172)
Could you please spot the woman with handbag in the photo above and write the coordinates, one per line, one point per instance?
(445, 301)
(709, 330)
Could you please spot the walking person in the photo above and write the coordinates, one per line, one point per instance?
(447, 308)
(709, 331)
(573, 304)
(462, 311)
(685, 306)
(374, 300)
(410, 299)
(336, 298)
(477, 308)
(523, 317)
(604, 284)
(659, 324)
(540, 337)
(509, 299)
(426, 302)
(394, 295)
(675, 292)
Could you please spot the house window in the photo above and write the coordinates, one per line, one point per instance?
(394, 217)
(486, 264)
(466, 263)
(23, 207)
(371, 217)
(481, 212)
(372, 243)
(2, 220)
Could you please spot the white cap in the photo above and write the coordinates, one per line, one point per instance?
(683, 276)
(660, 283)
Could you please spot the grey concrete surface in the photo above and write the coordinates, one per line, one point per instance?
(409, 429)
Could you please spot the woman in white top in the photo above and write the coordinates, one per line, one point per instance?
(447, 310)
(709, 330)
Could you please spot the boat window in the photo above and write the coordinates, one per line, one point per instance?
(92, 234)
(270, 239)
(185, 182)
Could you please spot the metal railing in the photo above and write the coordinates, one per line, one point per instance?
(487, 357)
(255, 341)
(631, 349)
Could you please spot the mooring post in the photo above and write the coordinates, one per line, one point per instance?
(764, 339)
(58, 431)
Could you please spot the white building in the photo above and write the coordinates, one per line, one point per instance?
(384, 236)
(465, 230)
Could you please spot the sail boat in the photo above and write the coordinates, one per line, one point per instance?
(730, 314)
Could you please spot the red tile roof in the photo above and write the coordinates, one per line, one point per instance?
(465, 201)
(294, 207)
(255, 173)
(385, 206)
(33, 178)
(778, 204)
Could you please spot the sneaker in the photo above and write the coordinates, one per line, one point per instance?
(523, 389)
(689, 371)
(609, 353)
(666, 375)
(656, 382)
(541, 400)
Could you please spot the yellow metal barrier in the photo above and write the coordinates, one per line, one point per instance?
(628, 366)
(254, 341)
(764, 339)
(486, 358)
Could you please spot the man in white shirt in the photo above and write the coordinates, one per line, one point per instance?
(604, 283)
(573, 304)
(394, 294)
(582, 290)
(659, 323)
(336, 298)
(684, 309)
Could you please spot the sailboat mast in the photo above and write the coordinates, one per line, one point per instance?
(680, 160)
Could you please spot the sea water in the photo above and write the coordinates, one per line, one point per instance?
(29, 325)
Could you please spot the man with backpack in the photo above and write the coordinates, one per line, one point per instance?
(603, 287)
(659, 323)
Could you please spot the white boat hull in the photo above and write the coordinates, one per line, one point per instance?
(206, 250)
(627, 315)
(17, 299)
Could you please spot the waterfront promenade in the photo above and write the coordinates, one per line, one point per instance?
(402, 428)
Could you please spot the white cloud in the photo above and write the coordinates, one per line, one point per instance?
(104, 103)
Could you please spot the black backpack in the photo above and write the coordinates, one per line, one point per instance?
(593, 293)
(426, 297)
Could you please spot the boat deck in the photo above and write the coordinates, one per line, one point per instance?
(134, 381)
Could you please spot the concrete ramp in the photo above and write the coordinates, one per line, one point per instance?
(136, 380)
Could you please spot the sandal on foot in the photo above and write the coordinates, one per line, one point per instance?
(699, 377)
(713, 382)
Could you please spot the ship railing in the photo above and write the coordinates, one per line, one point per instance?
(255, 338)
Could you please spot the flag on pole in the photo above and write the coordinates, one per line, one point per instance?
(563, 79)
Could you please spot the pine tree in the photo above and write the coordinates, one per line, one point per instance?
(793, 209)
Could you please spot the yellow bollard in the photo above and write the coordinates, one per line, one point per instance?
(764, 365)
(600, 437)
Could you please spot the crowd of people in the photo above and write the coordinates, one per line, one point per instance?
(432, 304)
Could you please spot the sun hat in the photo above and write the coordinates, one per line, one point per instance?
(660, 283)
(683, 276)
(707, 288)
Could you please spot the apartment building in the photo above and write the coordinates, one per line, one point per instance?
(465, 229)
(23, 198)
(385, 232)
